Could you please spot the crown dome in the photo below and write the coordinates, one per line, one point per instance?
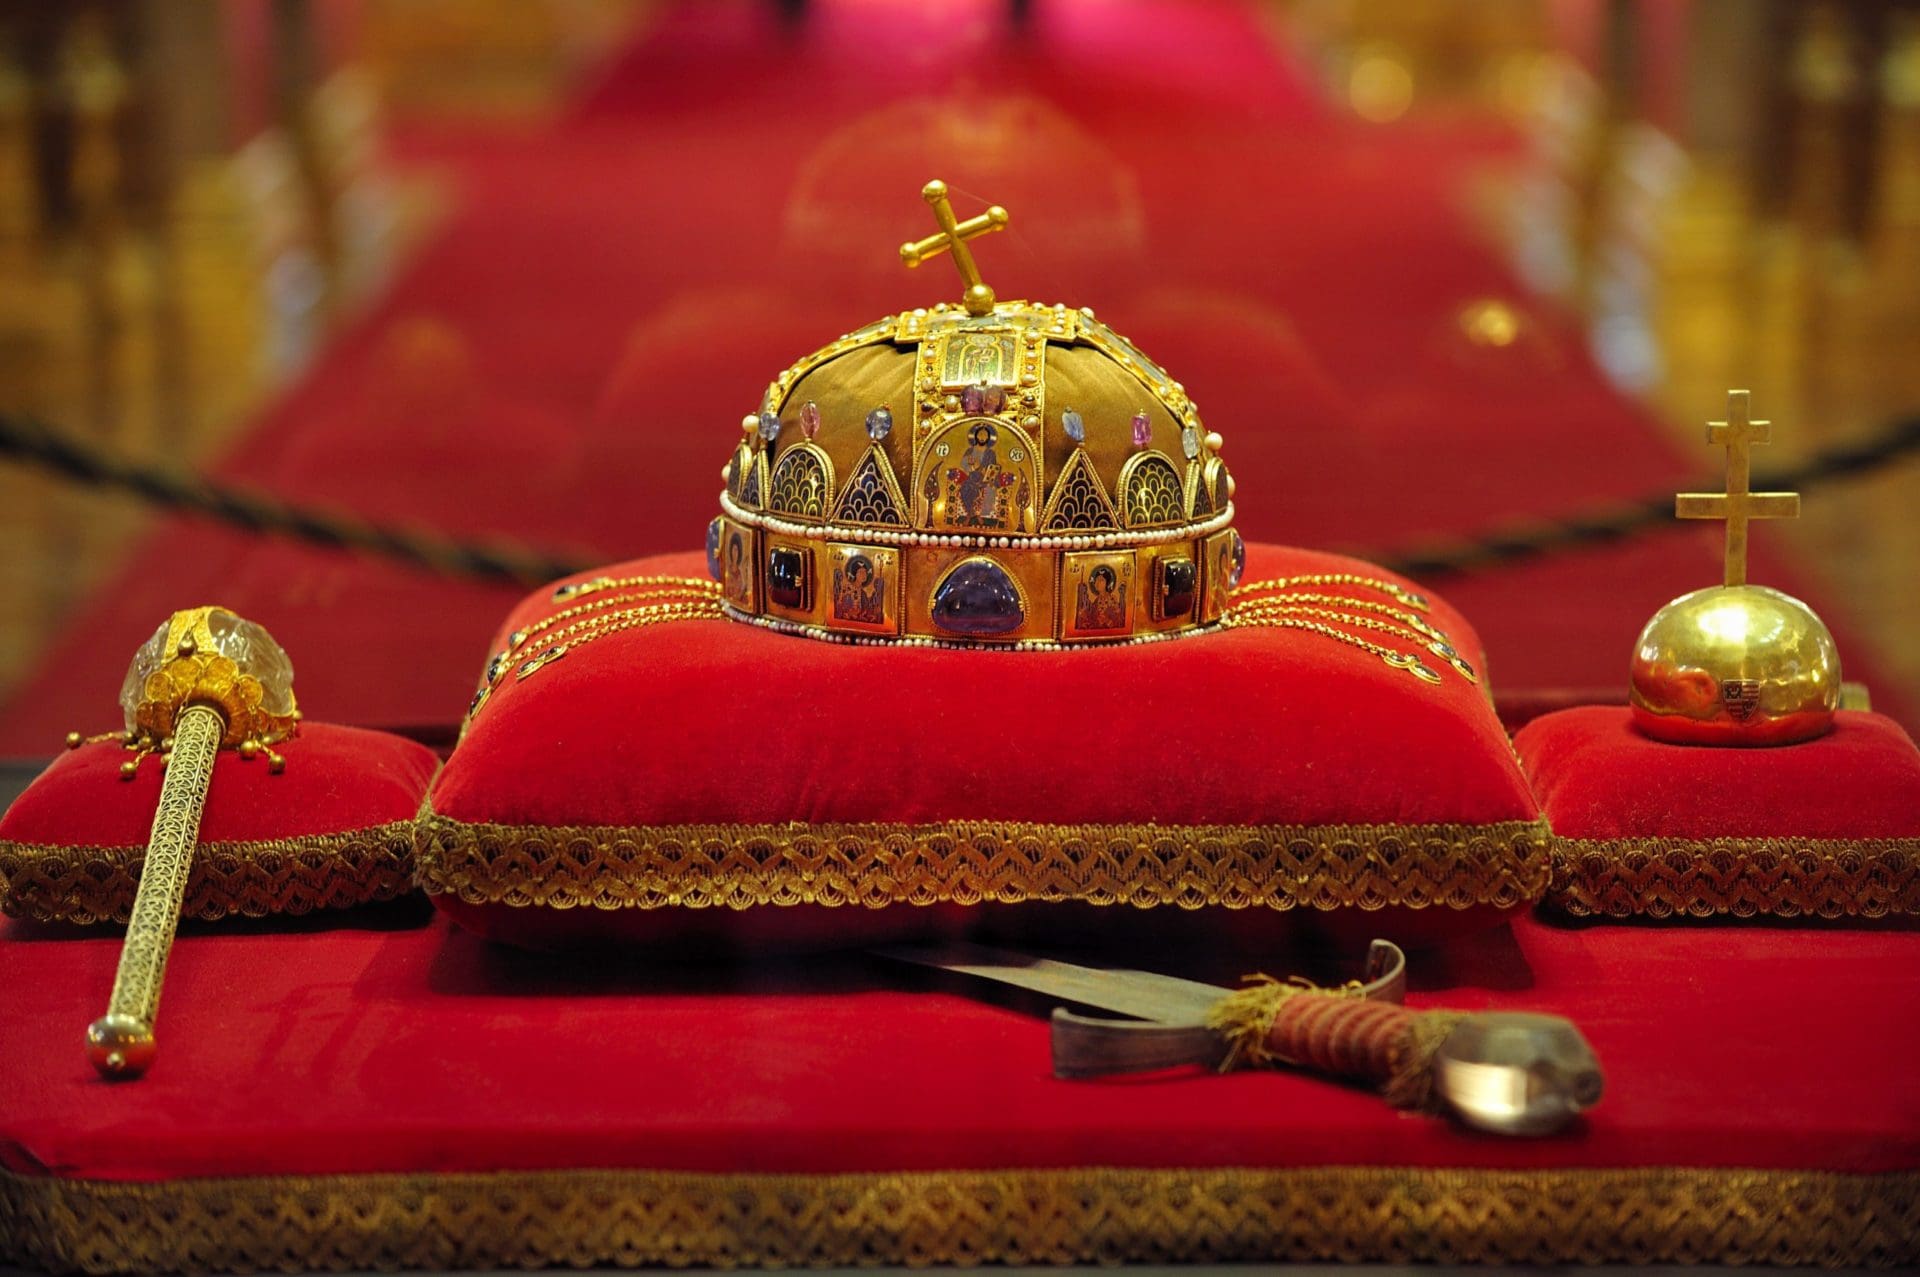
(983, 472)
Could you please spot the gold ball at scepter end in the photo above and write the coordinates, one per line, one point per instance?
(120, 1046)
(1735, 665)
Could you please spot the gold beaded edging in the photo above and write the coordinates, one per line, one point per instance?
(91, 884)
(800, 629)
(1742, 877)
(873, 865)
(1115, 540)
(635, 1218)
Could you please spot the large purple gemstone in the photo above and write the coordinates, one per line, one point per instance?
(978, 599)
(1142, 430)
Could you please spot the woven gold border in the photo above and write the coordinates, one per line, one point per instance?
(973, 862)
(1741, 877)
(526, 1219)
(257, 878)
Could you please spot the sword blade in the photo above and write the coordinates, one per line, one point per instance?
(1145, 995)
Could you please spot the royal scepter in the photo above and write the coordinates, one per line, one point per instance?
(1504, 1072)
(207, 680)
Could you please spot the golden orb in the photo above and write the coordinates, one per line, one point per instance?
(1735, 665)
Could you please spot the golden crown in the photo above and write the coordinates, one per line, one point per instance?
(1059, 486)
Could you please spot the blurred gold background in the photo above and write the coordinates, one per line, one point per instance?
(192, 196)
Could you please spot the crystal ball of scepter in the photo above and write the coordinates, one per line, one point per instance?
(210, 656)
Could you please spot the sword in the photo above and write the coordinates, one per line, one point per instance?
(1506, 1072)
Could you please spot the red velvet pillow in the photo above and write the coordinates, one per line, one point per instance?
(708, 780)
(1829, 827)
(333, 829)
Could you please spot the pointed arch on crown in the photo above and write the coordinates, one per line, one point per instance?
(1079, 502)
(872, 497)
(1150, 492)
(1218, 484)
(743, 479)
(802, 482)
(1199, 496)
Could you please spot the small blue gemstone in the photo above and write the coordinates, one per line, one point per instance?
(879, 423)
(769, 426)
(713, 549)
(978, 599)
(1076, 428)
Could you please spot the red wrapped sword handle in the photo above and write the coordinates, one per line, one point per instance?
(1511, 1072)
(1379, 1042)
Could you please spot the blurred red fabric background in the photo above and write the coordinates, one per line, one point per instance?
(568, 358)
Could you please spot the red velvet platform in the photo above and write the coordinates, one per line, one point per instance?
(709, 783)
(439, 1101)
(1828, 827)
(333, 830)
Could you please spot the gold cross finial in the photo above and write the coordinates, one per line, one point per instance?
(953, 239)
(1737, 504)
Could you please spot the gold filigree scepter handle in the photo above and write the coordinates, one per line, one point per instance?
(120, 1043)
(206, 680)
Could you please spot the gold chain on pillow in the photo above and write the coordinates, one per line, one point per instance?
(634, 602)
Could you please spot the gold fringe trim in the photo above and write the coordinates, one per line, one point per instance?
(1244, 1018)
(1744, 877)
(1410, 1085)
(254, 879)
(526, 1219)
(971, 862)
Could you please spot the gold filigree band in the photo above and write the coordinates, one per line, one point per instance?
(584, 1218)
(970, 862)
(270, 876)
(1744, 877)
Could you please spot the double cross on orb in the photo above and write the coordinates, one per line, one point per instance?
(953, 239)
(1737, 504)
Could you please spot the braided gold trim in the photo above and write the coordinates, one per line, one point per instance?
(1745, 877)
(526, 1219)
(269, 876)
(970, 862)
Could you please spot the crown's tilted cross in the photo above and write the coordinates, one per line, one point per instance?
(1737, 504)
(953, 239)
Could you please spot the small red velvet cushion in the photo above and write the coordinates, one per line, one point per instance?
(712, 781)
(1828, 827)
(335, 828)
